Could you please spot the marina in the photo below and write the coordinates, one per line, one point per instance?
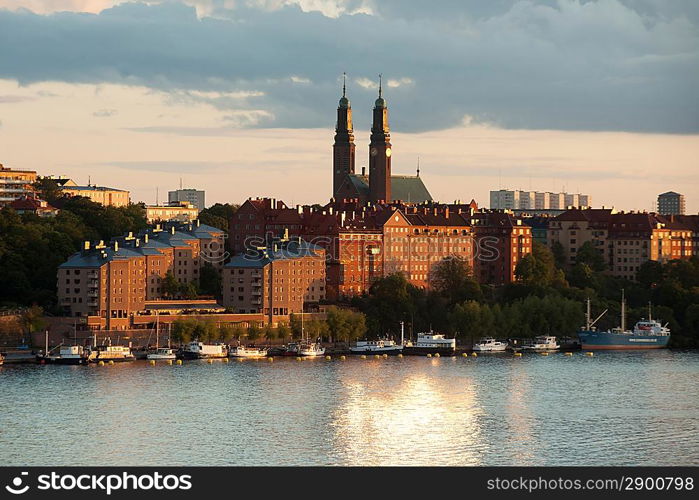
(495, 410)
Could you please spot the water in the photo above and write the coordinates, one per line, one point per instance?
(616, 408)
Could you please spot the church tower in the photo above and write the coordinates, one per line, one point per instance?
(380, 153)
(343, 148)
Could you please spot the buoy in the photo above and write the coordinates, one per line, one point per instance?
(152, 362)
(589, 354)
(169, 362)
(376, 356)
(569, 354)
(363, 356)
(429, 355)
(385, 356)
(400, 354)
(518, 355)
(101, 363)
(464, 354)
(270, 359)
(179, 361)
(210, 361)
(111, 361)
(544, 354)
(343, 357)
(328, 358)
(474, 354)
(436, 355)
(299, 358)
(225, 360)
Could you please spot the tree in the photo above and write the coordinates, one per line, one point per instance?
(453, 278)
(188, 290)
(296, 326)
(269, 333)
(283, 331)
(210, 282)
(559, 255)
(226, 334)
(182, 330)
(48, 189)
(32, 320)
(254, 332)
(171, 288)
(591, 256)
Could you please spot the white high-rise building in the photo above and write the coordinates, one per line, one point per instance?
(193, 196)
(534, 200)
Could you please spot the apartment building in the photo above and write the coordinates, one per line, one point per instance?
(671, 203)
(194, 197)
(181, 211)
(15, 184)
(107, 196)
(112, 281)
(625, 239)
(365, 241)
(285, 276)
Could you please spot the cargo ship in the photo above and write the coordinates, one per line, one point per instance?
(646, 334)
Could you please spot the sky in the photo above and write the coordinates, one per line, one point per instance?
(239, 97)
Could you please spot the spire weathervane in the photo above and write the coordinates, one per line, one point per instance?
(380, 92)
(344, 82)
(418, 166)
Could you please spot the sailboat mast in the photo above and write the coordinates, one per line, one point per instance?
(650, 311)
(156, 330)
(402, 333)
(588, 316)
(623, 311)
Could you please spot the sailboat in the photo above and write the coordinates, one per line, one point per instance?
(161, 353)
(305, 347)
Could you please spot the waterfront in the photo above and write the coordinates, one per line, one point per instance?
(615, 408)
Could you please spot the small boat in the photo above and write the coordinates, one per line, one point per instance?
(291, 349)
(162, 353)
(307, 349)
(67, 355)
(116, 353)
(376, 347)
(431, 343)
(199, 350)
(249, 352)
(542, 343)
(2, 359)
(489, 344)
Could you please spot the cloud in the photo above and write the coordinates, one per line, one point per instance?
(536, 64)
(104, 113)
(11, 99)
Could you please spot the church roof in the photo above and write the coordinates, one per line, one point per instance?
(405, 188)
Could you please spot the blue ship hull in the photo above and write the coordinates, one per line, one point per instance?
(611, 340)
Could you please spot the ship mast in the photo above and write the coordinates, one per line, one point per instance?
(623, 311)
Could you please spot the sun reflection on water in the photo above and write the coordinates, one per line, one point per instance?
(383, 421)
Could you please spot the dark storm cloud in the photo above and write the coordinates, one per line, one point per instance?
(591, 65)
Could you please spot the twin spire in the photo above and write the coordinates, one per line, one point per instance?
(344, 101)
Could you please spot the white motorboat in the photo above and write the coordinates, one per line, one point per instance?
(489, 344)
(307, 349)
(376, 347)
(199, 350)
(431, 343)
(250, 352)
(162, 353)
(542, 343)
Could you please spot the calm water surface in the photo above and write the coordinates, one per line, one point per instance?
(616, 408)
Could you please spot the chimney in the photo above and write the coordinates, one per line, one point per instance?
(137, 242)
(330, 210)
(145, 238)
(446, 212)
(363, 171)
(116, 246)
(86, 246)
(172, 230)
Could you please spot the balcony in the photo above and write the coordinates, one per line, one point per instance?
(257, 301)
(92, 293)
